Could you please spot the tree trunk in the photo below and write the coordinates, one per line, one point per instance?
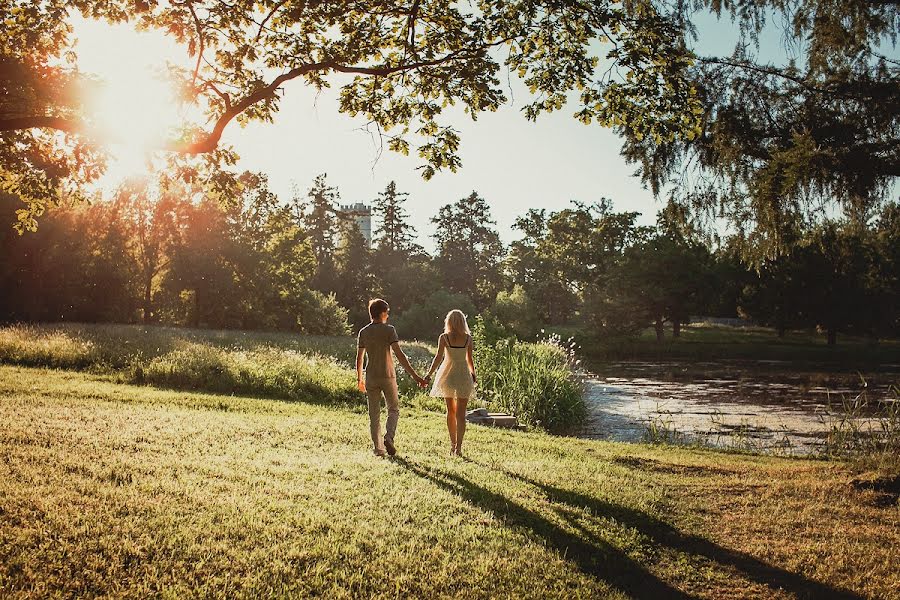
(832, 336)
(660, 332)
(676, 328)
(148, 298)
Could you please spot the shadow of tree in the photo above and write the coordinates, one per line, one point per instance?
(664, 534)
(590, 554)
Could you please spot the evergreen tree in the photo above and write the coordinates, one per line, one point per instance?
(320, 223)
(354, 281)
(394, 234)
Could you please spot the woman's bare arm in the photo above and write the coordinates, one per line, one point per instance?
(438, 358)
(471, 359)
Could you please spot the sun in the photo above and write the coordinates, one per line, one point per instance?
(130, 105)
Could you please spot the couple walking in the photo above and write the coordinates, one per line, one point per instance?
(454, 382)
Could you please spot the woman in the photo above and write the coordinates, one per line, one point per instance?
(455, 380)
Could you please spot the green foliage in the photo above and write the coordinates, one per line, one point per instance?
(469, 249)
(318, 314)
(270, 372)
(394, 234)
(661, 279)
(426, 320)
(623, 67)
(787, 135)
(516, 312)
(564, 254)
(539, 383)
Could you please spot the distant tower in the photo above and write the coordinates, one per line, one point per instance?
(362, 214)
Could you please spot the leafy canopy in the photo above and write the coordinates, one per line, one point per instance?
(399, 65)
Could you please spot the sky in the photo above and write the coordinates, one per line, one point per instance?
(513, 163)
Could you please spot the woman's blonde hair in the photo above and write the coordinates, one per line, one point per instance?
(455, 322)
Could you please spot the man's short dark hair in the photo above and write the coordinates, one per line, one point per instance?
(377, 307)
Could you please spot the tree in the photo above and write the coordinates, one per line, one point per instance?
(398, 66)
(783, 136)
(567, 253)
(658, 280)
(394, 235)
(152, 236)
(353, 264)
(320, 224)
(469, 250)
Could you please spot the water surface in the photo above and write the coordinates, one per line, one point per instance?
(761, 405)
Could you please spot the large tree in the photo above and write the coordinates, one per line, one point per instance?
(565, 252)
(398, 66)
(469, 251)
(788, 134)
(321, 225)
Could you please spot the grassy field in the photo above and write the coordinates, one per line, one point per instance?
(710, 342)
(108, 488)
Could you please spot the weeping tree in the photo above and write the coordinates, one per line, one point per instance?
(790, 135)
(398, 65)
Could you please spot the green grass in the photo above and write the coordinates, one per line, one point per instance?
(710, 342)
(114, 489)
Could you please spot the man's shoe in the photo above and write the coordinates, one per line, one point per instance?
(389, 446)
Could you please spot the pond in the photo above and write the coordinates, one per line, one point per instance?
(769, 406)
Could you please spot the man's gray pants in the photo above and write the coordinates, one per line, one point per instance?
(376, 389)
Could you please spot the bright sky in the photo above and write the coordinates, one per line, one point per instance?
(514, 164)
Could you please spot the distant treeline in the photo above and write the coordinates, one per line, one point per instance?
(181, 258)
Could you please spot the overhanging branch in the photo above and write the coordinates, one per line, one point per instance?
(209, 142)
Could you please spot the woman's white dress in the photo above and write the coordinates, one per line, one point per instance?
(453, 379)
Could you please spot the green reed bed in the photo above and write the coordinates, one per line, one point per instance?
(538, 382)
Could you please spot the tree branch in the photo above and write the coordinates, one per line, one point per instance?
(209, 142)
(68, 125)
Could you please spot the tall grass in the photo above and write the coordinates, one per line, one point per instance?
(537, 382)
(865, 432)
(268, 372)
(276, 365)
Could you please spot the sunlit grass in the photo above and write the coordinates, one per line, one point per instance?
(132, 491)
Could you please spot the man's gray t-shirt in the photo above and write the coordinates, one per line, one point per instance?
(377, 338)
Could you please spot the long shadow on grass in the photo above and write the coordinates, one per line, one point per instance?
(664, 534)
(590, 554)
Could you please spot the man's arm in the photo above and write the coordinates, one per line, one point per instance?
(404, 362)
(360, 353)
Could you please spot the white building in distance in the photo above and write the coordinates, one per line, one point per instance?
(362, 215)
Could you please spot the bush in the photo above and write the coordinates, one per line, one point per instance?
(516, 313)
(320, 314)
(537, 382)
(426, 320)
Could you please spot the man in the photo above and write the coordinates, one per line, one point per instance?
(376, 340)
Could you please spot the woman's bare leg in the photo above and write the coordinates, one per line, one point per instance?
(451, 422)
(460, 422)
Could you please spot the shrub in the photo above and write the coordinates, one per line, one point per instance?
(537, 382)
(426, 320)
(320, 314)
(515, 311)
